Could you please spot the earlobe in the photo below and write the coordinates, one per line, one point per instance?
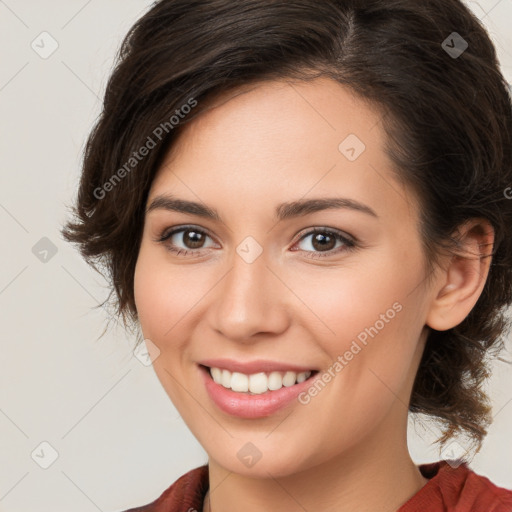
(461, 282)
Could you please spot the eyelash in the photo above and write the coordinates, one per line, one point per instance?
(349, 243)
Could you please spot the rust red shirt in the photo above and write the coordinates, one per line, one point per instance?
(449, 489)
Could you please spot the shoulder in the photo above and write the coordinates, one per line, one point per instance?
(185, 495)
(454, 486)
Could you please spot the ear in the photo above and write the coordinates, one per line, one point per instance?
(462, 280)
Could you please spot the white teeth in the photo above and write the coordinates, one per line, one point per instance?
(216, 373)
(301, 377)
(239, 382)
(257, 383)
(275, 381)
(226, 378)
(289, 379)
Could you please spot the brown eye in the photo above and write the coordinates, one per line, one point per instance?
(184, 239)
(324, 241)
(193, 237)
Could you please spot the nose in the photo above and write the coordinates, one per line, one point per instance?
(250, 300)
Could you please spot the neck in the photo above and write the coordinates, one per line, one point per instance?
(377, 474)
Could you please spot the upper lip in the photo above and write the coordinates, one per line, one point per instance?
(256, 366)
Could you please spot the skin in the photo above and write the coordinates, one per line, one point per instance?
(277, 142)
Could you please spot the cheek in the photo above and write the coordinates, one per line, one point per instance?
(371, 319)
(347, 304)
(162, 296)
(162, 301)
(146, 291)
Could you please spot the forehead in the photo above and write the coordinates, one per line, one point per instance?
(282, 138)
(282, 114)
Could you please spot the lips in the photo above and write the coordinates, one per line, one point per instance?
(252, 405)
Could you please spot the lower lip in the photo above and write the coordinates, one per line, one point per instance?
(248, 406)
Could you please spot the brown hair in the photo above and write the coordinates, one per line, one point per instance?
(446, 112)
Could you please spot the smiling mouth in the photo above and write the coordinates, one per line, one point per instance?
(257, 383)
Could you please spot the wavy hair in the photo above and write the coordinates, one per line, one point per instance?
(446, 111)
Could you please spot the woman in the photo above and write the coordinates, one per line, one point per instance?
(304, 207)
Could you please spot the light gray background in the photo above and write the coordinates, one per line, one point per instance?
(120, 442)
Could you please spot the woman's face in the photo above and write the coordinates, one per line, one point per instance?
(257, 284)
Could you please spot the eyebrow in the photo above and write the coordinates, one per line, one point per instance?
(283, 211)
